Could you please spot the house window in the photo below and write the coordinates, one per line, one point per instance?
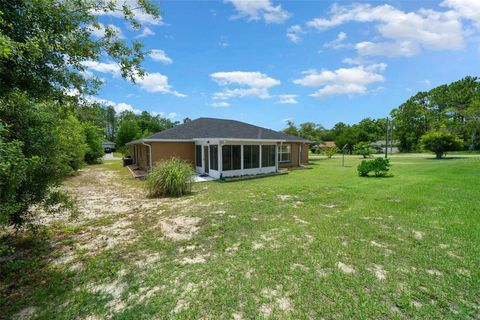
(198, 155)
(214, 157)
(251, 156)
(231, 157)
(285, 153)
(268, 156)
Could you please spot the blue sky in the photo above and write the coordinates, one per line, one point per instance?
(266, 61)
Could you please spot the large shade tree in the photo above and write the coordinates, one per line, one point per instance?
(45, 48)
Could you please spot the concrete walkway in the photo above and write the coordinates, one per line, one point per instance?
(109, 156)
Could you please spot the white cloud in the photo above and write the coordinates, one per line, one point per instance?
(252, 79)
(150, 82)
(252, 84)
(100, 31)
(259, 9)
(172, 115)
(157, 82)
(287, 99)
(342, 81)
(103, 67)
(338, 43)
(468, 9)
(404, 33)
(221, 104)
(119, 107)
(388, 49)
(426, 82)
(160, 55)
(146, 32)
(140, 15)
(294, 32)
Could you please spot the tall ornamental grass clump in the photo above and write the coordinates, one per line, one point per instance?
(172, 178)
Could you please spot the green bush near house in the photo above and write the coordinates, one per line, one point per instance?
(172, 178)
(379, 166)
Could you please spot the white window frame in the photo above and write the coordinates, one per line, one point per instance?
(281, 153)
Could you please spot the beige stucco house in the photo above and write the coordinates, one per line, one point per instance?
(220, 147)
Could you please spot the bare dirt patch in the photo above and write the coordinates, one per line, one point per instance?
(180, 228)
(277, 300)
(345, 267)
(379, 272)
(418, 234)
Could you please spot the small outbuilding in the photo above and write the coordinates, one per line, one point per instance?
(222, 147)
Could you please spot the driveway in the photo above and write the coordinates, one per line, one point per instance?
(109, 156)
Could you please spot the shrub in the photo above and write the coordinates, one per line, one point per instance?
(379, 166)
(330, 151)
(440, 142)
(364, 149)
(173, 177)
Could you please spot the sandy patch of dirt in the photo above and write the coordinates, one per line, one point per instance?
(416, 304)
(379, 272)
(329, 206)
(376, 244)
(345, 267)
(145, 293)
(115, 289)
(301, 221)
(297, 204)
(463, 272)
(434, 272)
(197, 259)
(323, 272)
(180, 228)
(257, 245)
(418, 234)
(187, 291)
(277, 300)
(233, 248)
(26, 313)
(146, 259)
(298, 266)
(285, 197)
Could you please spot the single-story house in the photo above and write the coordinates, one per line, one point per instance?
(222, 147)
(379, 146)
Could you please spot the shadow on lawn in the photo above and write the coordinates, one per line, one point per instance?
(445, 158)
(29, 281)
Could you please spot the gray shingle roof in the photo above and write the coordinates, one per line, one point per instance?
(220, 128)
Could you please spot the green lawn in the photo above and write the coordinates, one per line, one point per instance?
(316, 243)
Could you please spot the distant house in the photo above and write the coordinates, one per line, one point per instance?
(222, 147)
(108, 146)
(379, 146)
(323, 146)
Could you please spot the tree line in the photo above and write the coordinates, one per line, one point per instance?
(449, 114)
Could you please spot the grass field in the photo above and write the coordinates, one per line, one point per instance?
(316, 243)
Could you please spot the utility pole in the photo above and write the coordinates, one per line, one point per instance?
(386, 139)
(391, 137)
(343, 155)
